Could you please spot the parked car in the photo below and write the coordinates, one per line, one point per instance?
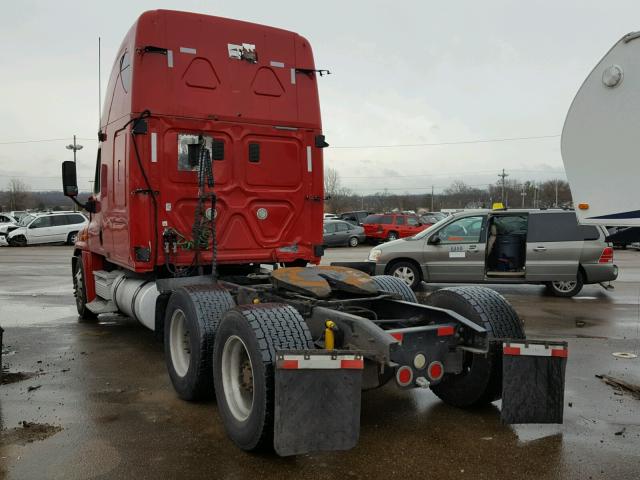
(47, 228)
(5, 218)
(513, 246)
(391, 226)
(430, 218)
(340, 233)
(330, 216)
(356, 217)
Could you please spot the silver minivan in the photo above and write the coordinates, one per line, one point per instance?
(502, 246)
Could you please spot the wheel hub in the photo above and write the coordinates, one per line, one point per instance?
(237, 378)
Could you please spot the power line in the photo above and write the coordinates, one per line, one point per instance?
(461, 142)
(452, 174)
(43, 140)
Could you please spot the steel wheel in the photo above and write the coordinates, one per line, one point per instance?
(237, 378)
(353, 242)
(405, 274)
(179, 343)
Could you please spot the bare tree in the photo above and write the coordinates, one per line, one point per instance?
(337, 196)
(19, 195)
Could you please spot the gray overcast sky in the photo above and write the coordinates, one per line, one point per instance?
(403, 73)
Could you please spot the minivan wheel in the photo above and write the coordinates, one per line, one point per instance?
(392, 236)
(566, 288)
(72, 238)
(353, 242)
(18, 241)
(408, 272)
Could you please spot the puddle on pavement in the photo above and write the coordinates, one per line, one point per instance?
(24, 314)
(28, 432)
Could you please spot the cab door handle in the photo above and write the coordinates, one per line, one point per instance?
(473, 248)
(540, 249)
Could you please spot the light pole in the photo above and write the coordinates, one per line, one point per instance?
(75, 147)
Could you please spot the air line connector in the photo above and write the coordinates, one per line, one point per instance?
(329, 335)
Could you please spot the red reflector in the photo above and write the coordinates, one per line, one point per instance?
(606, 256)
(445, 331)
(511, 350)
(404, 376)
(352, 364)
(560, 352)
(436, 371)
(289, 364)
(397, 335)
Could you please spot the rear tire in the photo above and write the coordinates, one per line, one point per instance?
(566, 289)
(244, 367)
(190, 323)
(389, 284)
(80, 291)
(72, 238)
(480, 382)
(392, 236)
(354, 242)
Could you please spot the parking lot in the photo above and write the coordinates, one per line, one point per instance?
(97, 400)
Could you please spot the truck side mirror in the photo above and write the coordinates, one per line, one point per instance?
(69, 179)
(434, 239)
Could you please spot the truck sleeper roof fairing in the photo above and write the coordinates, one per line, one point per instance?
(250, 91)
(600, 139)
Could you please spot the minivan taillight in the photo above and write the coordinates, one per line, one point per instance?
(606, 256)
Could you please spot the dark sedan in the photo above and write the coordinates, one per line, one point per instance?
(339, 233)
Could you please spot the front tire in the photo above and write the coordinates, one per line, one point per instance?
(566, 288)
(18, 241)
(244, 359)
(190, 323)
(408, 272)
(392, 236)
(80, 290)
(480, 381)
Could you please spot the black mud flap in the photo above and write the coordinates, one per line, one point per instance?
(533, 381)
(317, 401)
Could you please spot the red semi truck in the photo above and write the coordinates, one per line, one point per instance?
(206, 226)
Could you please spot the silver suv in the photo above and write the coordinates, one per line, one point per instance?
(502, 246)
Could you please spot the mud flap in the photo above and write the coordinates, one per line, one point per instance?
(317, 401)
(533, 381)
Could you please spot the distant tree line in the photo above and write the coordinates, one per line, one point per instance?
(516, 194)
(18, 196)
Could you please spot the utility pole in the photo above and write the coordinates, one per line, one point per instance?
(75, 147)
(432, 198)
(503, 176)
(556, 204)
(523, 193)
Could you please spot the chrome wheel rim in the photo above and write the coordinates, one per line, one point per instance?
(353, 241)
(179, 344)
(405, 274)
(564, 286)
(237, 378)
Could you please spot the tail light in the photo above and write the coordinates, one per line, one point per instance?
(606, 256)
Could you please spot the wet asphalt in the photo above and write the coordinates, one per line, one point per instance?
(98, 402)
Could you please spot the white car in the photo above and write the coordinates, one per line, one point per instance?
(6, 218)
(47, 228)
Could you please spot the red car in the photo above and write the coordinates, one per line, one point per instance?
(391, 226)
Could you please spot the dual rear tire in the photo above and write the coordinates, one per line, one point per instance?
(209, 342)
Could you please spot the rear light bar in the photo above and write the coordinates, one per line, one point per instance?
(606, 256)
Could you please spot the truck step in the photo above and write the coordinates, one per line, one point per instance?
(102, 306)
